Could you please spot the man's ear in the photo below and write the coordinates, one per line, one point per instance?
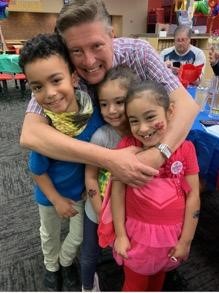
(170, 111)
(112, 34)
(75, 79)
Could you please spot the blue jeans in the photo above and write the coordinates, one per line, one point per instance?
(90, 252)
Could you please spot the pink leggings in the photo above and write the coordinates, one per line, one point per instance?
(138, 282)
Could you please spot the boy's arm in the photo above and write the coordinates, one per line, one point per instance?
(63, 206)
(192, 211)
(92, 188)
(121, 243)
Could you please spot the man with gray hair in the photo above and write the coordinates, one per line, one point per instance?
(183, 52)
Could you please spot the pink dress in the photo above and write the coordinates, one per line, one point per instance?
(154, 213)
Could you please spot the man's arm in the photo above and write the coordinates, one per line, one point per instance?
(39, 136)
(186, 110)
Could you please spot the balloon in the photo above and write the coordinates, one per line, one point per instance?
(3, 9)
(212, 3)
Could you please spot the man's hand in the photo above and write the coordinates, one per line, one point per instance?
(169, 63)
(151, 157)
(126, 167)
(175, 70)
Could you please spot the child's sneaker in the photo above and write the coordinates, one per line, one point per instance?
(96, 287)
(69, 278)
(52, 281)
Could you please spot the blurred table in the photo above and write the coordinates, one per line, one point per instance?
(207, 149)
(9, 63)
(17, 48)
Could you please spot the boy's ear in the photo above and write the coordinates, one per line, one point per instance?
(75, 79)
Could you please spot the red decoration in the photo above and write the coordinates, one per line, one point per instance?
(189, 73)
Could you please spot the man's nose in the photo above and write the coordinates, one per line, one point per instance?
(89, 58)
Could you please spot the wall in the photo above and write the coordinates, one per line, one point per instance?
(129, 17)
(154, 4)
(133, 14)
(24, 25)
(44, 6)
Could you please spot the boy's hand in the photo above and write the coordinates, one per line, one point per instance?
(121, 245)
(65, 207)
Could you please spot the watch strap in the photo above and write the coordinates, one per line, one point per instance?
(164, 149)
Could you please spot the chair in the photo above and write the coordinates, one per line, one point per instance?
(22, 78)
(3, 78)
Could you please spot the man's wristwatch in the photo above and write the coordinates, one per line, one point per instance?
(164, 149)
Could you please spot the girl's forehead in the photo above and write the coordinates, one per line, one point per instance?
(113, 84)
(118, 81)
(146, 95)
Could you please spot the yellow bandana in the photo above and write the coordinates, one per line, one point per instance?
(73, 123)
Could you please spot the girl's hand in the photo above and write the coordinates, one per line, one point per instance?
(180, 252)
(121, 245)
(65, 207)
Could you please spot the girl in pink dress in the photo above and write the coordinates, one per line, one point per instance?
(153, 226)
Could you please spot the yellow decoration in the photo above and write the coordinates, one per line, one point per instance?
(180, 5)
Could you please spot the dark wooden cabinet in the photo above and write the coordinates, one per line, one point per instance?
(163, 12)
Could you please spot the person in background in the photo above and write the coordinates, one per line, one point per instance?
(154, 224)
(112, 92)
(85, 27)
(183, 52)
(214, 60)
(59, 185)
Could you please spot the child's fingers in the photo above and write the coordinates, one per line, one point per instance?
(171, 253)
(74, 212)
(124, 254)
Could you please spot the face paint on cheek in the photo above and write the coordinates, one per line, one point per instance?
(159, 125)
